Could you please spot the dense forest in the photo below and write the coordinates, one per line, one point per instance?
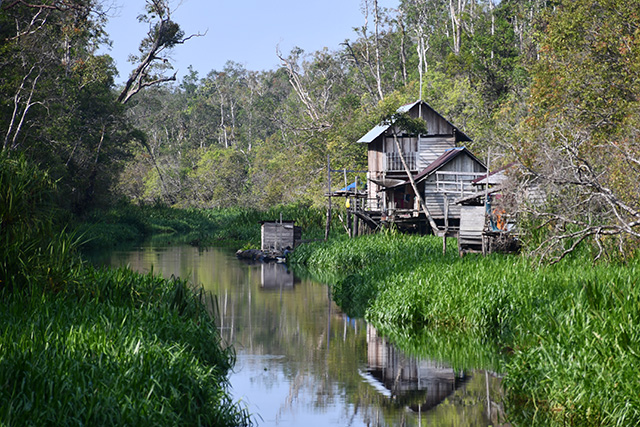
(551, 84)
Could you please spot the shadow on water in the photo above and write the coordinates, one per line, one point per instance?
(301, 361)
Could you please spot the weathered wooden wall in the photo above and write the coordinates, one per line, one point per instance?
(472, 219)
(278, 236)
(449, 183)
(430, 148)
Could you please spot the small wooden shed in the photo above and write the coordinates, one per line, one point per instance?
(470, 236)
(279, 235)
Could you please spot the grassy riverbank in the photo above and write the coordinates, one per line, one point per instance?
(567, 336)
(113, 348)
(97, 347)
(237, 227)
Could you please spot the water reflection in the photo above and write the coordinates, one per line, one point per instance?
(276, 276)
(300, 361)
(425, 383)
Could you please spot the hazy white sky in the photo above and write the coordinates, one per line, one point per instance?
(244, 31)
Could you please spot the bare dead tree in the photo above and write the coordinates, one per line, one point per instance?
(22, 102)
(354, 57)
(376, 15)
(164, 34)
(60, 5)
(457, 9)
(581, 190)
(296, 81)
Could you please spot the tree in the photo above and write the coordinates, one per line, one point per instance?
(57, 104)
(164, 34)
(580, 143)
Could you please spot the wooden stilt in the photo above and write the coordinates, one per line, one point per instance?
(328, 225)
(446, 224)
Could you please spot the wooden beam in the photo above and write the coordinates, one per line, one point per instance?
(425, 209)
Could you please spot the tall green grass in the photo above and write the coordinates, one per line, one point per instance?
(82, 346)
(567, 336)
(34, 247)
(117, 348)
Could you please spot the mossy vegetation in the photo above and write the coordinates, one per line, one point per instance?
(567, 337)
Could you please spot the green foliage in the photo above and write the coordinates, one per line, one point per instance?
(566, 337)
(87, 346)
(58, 108)
(220, 178)
(127, 224)
(580, 137)
(32, 249)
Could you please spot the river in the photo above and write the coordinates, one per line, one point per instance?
(301, 362)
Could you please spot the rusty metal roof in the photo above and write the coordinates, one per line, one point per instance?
(445, 158)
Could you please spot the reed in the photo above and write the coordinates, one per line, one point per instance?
(99, 347)
(118, 348)
(567, 336)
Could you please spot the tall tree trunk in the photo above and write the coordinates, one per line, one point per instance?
(456, 10)
(377, 45)
(425, 209)
(17, 99)
(403, 55)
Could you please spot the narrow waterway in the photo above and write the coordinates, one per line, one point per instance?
(301, 362)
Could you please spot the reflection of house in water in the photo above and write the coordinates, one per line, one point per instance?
(276, 276)
(418, 384)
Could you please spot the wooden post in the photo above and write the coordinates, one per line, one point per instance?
(486, 201)
(446, 224)
(328, 225)
(355, 208)
(349, 229)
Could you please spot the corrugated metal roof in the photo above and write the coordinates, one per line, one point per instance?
(445, 158)
(379, 129)
(374, 133)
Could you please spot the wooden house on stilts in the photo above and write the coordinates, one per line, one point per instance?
(441, 170)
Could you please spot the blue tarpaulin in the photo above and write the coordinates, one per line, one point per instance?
(350, 187)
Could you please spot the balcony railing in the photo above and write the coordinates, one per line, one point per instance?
(395, 164)
(456, 183)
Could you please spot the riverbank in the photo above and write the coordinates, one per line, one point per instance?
(97, 347)
(567, 337)
(239, 228)
(114, 348)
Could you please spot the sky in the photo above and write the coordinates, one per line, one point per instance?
(243, 31)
